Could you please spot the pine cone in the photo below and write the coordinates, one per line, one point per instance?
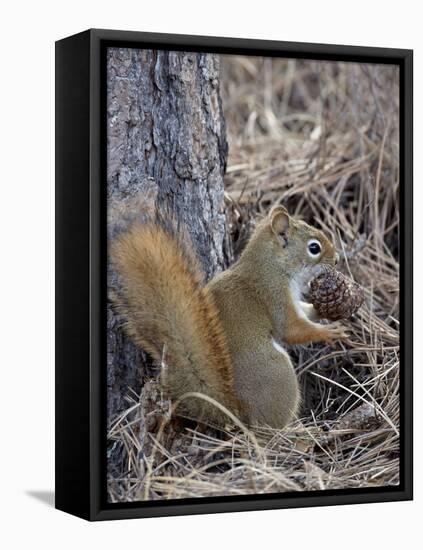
(334, 296)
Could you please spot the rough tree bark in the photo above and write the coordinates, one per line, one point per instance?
(167, 140)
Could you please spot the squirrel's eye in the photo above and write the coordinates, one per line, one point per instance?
(314, 248)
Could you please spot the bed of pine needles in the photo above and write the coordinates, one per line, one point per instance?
(322, 139)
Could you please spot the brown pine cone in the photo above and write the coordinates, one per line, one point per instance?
(335, 296)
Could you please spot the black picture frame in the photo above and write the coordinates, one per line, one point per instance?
(81, 273)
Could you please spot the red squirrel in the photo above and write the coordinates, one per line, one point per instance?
(225, 339)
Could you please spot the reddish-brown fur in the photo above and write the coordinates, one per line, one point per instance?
(168, 310)
(225, 339)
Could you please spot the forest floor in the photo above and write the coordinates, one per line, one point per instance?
(322, 139)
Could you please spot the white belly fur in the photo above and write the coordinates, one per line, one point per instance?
(280, 348)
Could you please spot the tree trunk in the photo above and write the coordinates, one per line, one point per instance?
(167, 141)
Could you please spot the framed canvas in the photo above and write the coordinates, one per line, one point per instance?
(233, 274)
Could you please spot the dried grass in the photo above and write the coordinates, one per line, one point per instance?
(321, 138)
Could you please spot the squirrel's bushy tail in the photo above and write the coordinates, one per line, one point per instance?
(172, 316)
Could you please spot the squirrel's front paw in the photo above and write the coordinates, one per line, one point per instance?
(335, 331)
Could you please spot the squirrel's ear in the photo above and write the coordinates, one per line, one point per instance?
(279, 221)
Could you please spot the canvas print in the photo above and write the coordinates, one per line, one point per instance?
(253, 275)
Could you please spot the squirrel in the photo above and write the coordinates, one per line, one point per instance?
(225, 339)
